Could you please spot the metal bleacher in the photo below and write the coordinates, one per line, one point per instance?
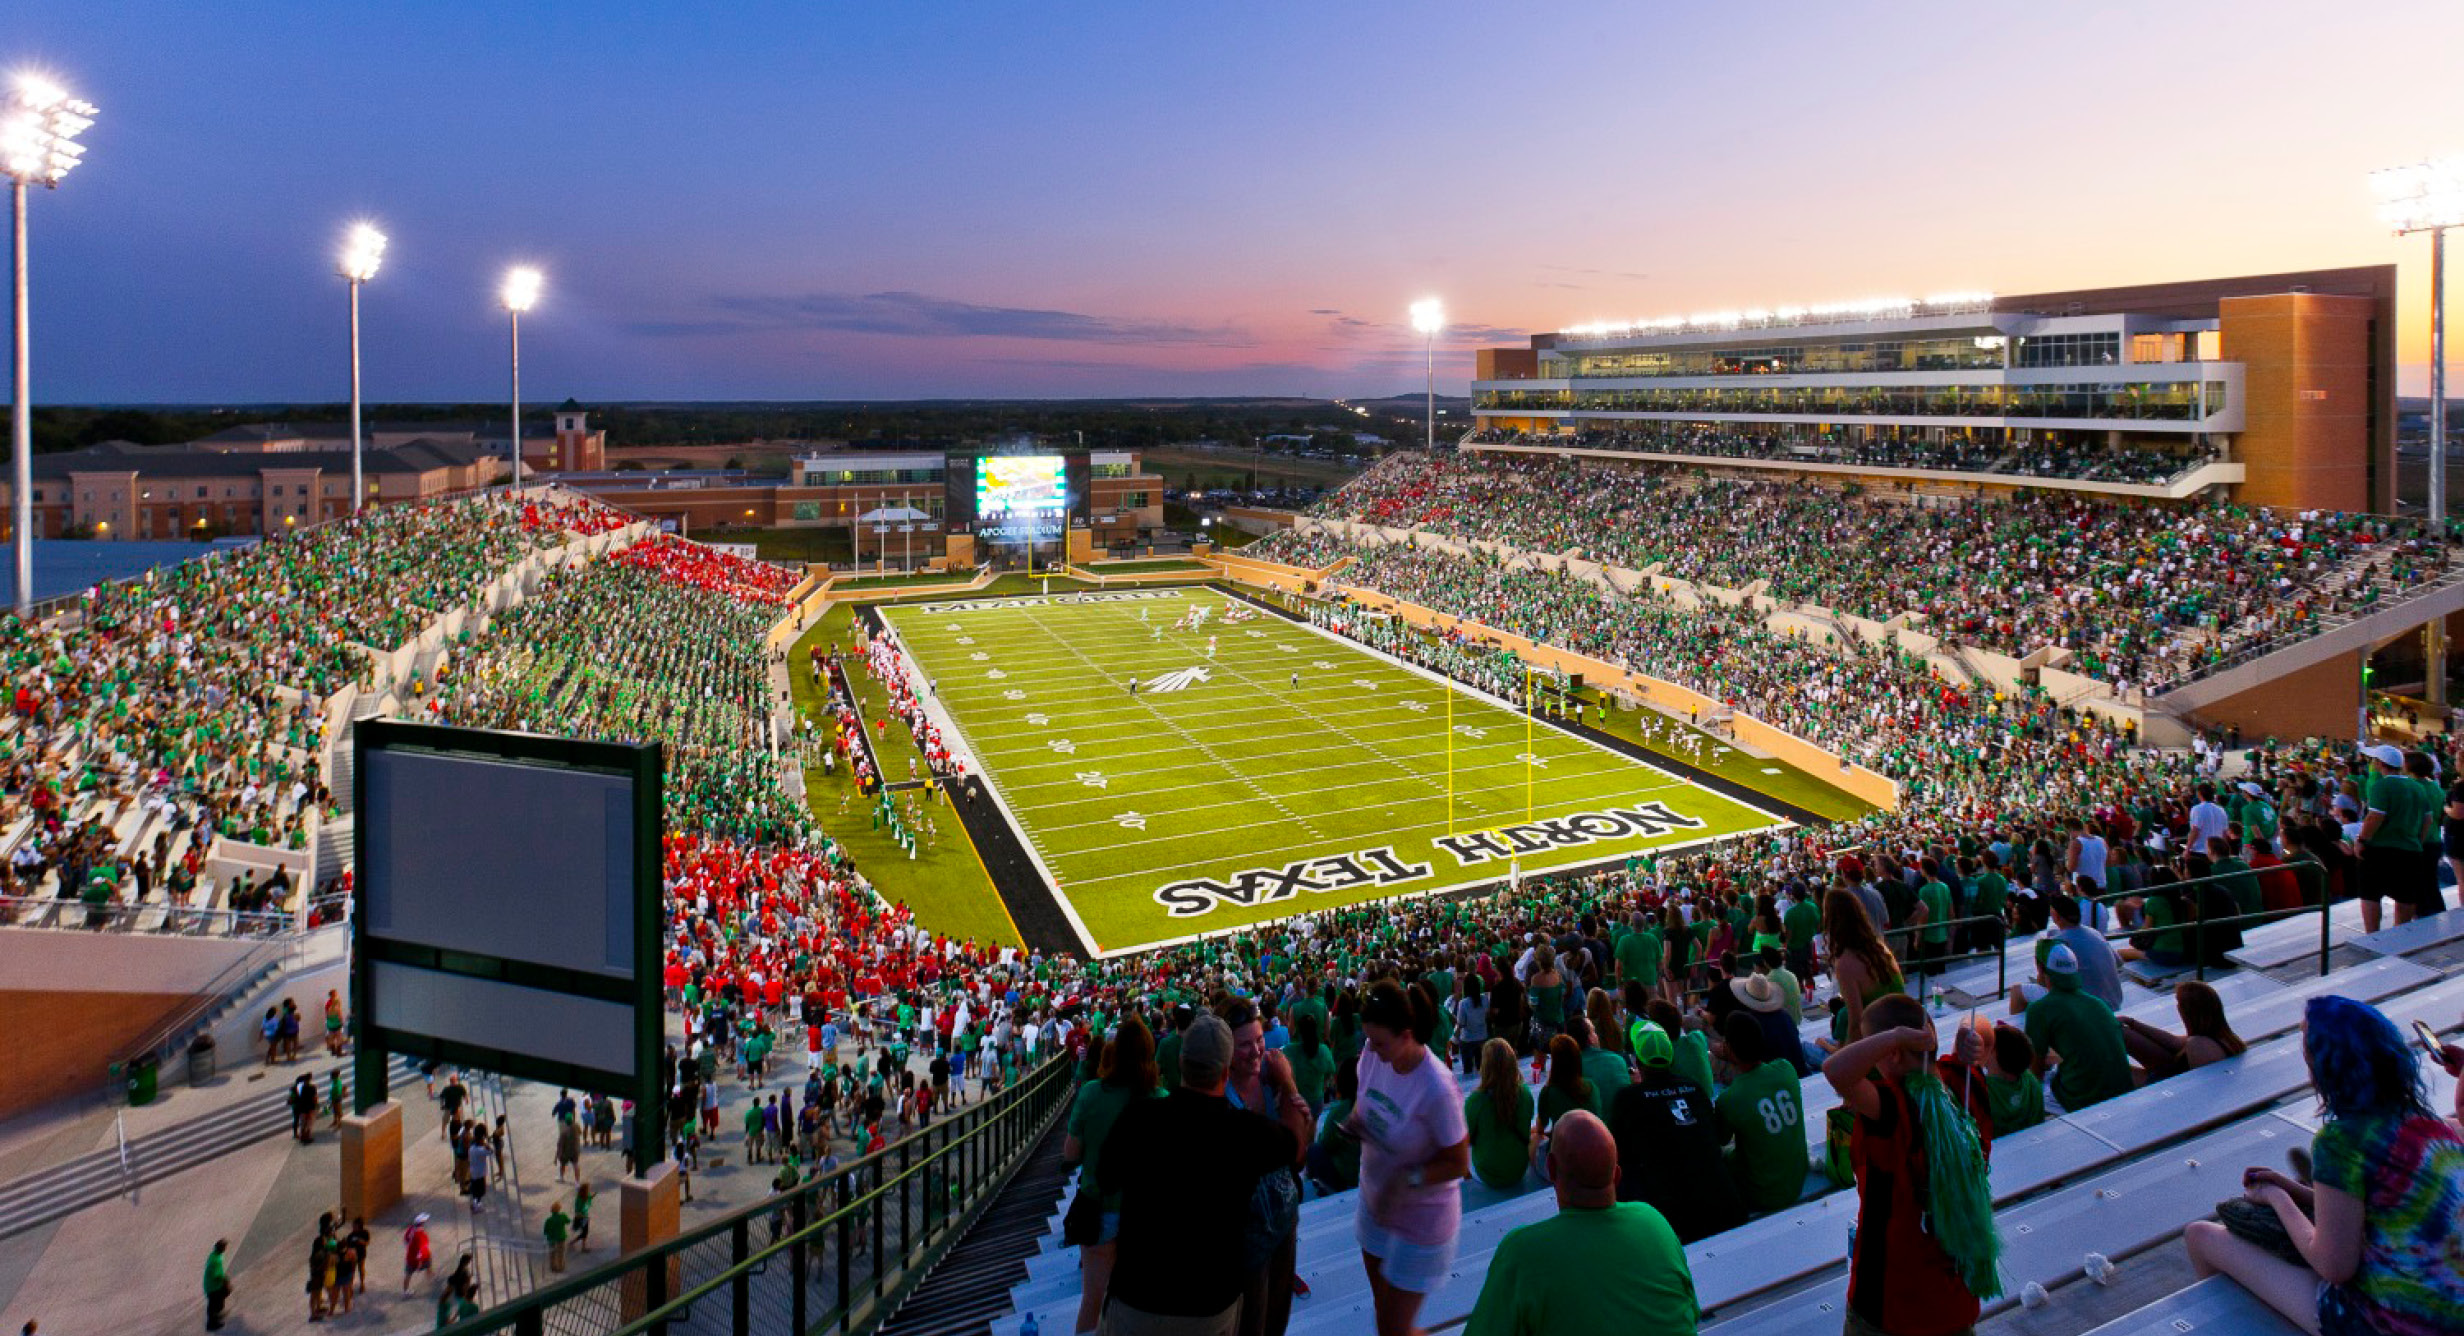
(2120, 1178)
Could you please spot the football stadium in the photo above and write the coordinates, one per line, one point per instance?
(1909, 815)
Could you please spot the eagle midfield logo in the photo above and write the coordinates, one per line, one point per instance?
(1177, 681)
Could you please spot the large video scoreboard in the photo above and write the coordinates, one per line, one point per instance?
(1018, 498)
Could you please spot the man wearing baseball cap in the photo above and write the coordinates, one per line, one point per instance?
(2397, 815)
(2078, 1029)
(1668, 1139)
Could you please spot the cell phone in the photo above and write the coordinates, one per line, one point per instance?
(2428, 1038)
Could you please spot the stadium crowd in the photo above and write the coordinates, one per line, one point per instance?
(188, 703)
(656, 647)
(2141, 595)
(1879, 448)
(1659, 1005)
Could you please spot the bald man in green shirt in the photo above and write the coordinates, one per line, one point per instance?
(1599, 1264)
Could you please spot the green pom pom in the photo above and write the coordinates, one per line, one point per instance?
(1959, 1193)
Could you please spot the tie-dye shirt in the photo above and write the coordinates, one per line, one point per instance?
(2408, 1173)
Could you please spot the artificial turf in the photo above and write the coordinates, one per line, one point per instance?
(1289, 771)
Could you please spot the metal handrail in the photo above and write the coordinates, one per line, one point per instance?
(1036, 1099)
(178, 921)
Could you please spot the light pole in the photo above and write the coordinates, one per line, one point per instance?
(39, 125)
(521, 293)
(1428, 317)
(2429, 197)
(361, 255)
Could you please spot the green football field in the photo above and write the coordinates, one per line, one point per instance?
(1286, 771)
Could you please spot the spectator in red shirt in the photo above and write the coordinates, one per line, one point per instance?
(2279, 889)
(1902, 1280)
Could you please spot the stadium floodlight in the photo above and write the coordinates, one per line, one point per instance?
(2429, 197)
(1428, 318)
(362, 251)
(521, 292)
(39, 125)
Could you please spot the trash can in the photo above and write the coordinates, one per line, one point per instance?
(144, 1073)
(201, 1060)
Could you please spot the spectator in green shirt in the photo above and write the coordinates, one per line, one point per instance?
(1933, 913)
(1499, 1114)
(1168, 1053)
(1598, 1265)
(2391, 829)
(1988, 896)
(217, 1285)
(2013, 1095)
(1693, 1050)
(1803, 925)
(1638, 953)
(1127, 1076)
(2255, 813)
(1763, 1113)
(559, 1228)
(1313, 1061)
(1604, 1059)
(2079, 1030)
(2235, 876)
(1334, 1159)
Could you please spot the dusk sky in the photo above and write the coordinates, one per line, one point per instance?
(814, 200)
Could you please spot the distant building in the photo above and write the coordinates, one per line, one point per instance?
(268, 477)
(268, 483)
(902, 496)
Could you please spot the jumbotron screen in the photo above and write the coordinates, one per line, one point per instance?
(1021, 497)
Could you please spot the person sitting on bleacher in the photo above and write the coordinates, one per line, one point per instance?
(2079, 1031)
(2206, 1035)
(2013, 1094)
(2099, 970)
(1763, 1112)
(1667, 1137)
(1923, 1252)
(2377, 1232)
(1598, 1265)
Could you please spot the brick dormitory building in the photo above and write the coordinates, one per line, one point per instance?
(267, 478)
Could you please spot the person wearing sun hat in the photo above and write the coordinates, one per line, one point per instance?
(2076, 1029)
(1761, 1001)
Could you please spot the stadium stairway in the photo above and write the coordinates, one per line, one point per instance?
(73, 1185)
(2119, 1178)
(971, 1285)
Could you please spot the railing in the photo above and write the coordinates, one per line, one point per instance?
(159, 918)
(280, 953)
(842, 1250)
(2311, 875)
(2261, 648)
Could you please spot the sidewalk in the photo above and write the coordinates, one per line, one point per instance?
(134, 1265)
(71, 1128)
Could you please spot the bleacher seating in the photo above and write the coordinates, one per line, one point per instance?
(2116, 1179)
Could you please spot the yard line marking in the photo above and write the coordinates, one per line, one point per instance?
(1035, 619)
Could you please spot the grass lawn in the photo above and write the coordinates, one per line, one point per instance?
(1775, 777)
(1150, 566)
(806, 544)
(897, 578)
(1284, 771)
(945, 883)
